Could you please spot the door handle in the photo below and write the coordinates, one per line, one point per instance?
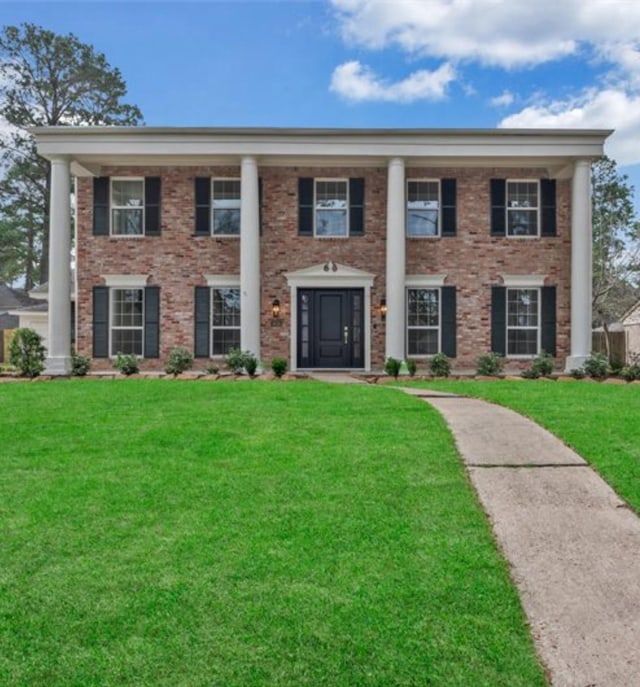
(345, 335)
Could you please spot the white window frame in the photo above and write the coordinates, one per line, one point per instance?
(113, 207)
(221, 281)
(428, 286)
(344, 181)
(538, 328)
(213, 209)
(439, 221)
(537, 209)
(112, 327)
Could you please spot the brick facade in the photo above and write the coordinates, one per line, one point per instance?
(177, 260)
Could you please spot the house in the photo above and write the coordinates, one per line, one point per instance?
(333, 248)
(631, 324)
(10, 299)
(35, 314)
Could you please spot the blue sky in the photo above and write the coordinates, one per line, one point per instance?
(370, 63)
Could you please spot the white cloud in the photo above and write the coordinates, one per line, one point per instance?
(510, 34)
(358, 83)
(503, 100)
(607, 109)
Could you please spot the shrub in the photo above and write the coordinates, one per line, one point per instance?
(235, 360)
(439, 365)
(489, 365)
(630, 372)
(392, 367)
(597, 366)
(212, 370)
(26, 352)
(80, 364)
(127, 363)
(279, 366)
(578, 373)
(530, 373)
(542, 364)
(250, 363)
(412, 367)
(179, 360)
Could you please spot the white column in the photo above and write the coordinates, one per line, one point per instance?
(395, 325)
(59, 353)
(249, 257)
(581, 266)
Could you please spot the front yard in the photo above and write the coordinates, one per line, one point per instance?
(244, 534)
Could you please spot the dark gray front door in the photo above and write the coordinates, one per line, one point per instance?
(331, 328)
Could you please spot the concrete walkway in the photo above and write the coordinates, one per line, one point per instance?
(573, 545)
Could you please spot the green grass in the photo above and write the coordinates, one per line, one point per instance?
(244, 534)
(600, 421)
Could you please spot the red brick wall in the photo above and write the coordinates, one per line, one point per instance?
(177, 261)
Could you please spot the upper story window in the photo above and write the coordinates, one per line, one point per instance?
(423, 208)
(331, 207)
(127, 207)
(225, 204)
(523, 208)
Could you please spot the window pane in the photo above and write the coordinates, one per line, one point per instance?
(127, 308)
(226, 308)
(423, 310)
(226, 222)
(422, 222)
(127, 222)
(127, 193)
(522, 342)
(126, 341)
(331, 223)
(331, 195)
(423, 342)
(522, 194)
(226, 193)
(223, 340)
(522, 222)
(522, 208)
(522, 308)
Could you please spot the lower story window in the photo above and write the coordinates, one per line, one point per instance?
(127, 321)
(423, 321)
(523, 322)
(225, 320)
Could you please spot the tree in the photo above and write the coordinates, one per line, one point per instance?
(46, 80)
(616, 242)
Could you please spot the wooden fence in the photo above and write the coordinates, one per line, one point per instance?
(617, 342)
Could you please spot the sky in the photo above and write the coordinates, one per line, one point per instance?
(370, 63)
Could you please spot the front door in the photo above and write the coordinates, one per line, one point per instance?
(331, 328)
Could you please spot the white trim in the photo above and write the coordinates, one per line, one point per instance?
(524, 281)
(424, 281)
(316, 277)
(125, 281)
(223, 280)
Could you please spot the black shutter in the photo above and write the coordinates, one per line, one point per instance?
(202, 326)
(449, 220)
(101, 206)
(356, 207)
(498, 207)
(448, 294)
(499, 320)
(548, 197)
(202, 192)
(305, 207)
(100, 322)
(152, 193)
(548, 308)
(152, 322)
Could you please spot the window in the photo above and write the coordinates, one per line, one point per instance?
(423, 321)
(523, 322)
(522, 208)
(423, 208)
(127, 321)
(331, 207)
(225, 204)
(127, 207)
(225, 320)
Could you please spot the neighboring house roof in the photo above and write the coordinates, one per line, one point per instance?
(38, 307)
(13, 298)
(41, 292)
(632, 316)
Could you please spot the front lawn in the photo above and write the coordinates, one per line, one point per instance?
(157, 532)
(599, 421)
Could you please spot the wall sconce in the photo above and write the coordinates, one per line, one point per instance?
(383, 309)
(275, 309)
